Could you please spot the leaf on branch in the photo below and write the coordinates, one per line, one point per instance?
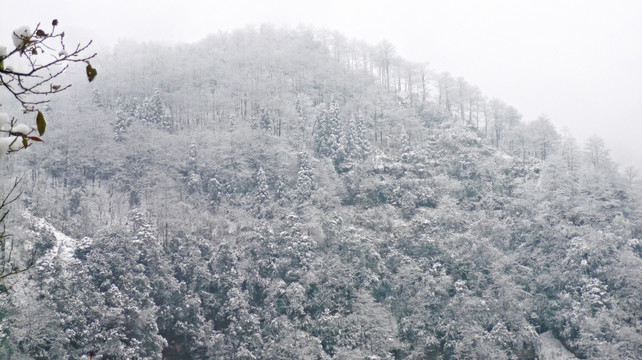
(55, 87)
(41, 123)
(35, 138)
(34, 52)
(41, 33)
(91, 72)
(25, 143)
(54, 22)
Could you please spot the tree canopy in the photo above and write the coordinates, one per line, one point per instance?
(316, 197)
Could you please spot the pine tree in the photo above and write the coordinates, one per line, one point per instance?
(262, 188)
(156, 112)
(142, 231)
(194, 183)
(305, 182)
(262, 194)
(357, 146)
(301, 119)
(214, 189)
(121, 124)
(150, 110)
(407, 153)
(138, 109)
(97, 99)
(104, 302)
(299, 248)
(266, 123)
(327, 135)
(243, 338)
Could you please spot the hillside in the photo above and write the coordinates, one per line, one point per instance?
(282, 194)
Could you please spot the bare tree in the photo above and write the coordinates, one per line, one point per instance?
(386, 54)
(632, 175)
(9, 265)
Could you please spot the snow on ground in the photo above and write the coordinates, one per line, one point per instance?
(552, 349)
(63, 249)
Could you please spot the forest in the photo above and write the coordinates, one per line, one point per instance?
(272, 193)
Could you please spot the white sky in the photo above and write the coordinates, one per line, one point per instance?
(578, 61)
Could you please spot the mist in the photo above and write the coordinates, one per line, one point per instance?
(575, 61)
(320, 180)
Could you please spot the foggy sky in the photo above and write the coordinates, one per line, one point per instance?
(577, 61)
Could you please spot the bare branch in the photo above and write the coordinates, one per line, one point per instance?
(43, 58)
(30, 85)
(8, 268)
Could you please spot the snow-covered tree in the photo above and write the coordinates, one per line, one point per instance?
(327, 133)
(159, 113)
(299, 248)
(357, 147)
(434, 245)
(407, 152)
(262, 187)
(306, 182)
(262, 193)
(194, 183)
(301, 120)
(265, 122)
(122, 122)
(214, 188)
(597, 153)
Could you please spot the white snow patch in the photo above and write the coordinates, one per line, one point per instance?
(21, 35)
(8, 142)
(4, 120)
(21, 129)
(505, 156)
(64, 248)
(553, 349)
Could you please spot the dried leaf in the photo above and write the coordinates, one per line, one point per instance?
(41, 123)
(91, 72)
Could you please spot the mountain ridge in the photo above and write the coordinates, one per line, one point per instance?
(251, 196)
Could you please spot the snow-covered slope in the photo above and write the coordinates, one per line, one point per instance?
(552, 349)
(63, 248)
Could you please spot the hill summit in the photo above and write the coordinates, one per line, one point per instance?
(294, 194)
